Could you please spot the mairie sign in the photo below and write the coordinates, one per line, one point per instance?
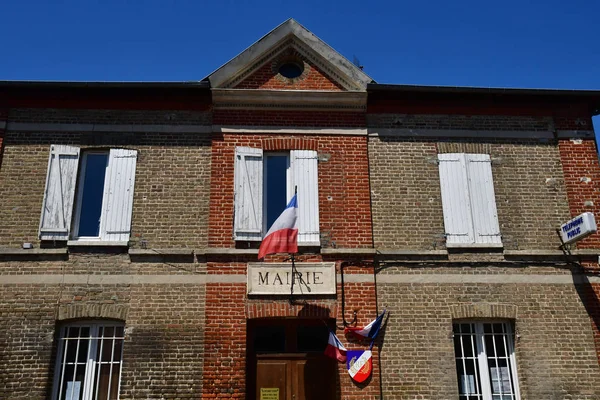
(277, 279)
(578, 228)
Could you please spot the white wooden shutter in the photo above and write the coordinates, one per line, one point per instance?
(483, 199)
(305, 176)
(118, 195)
(248, 197)
(59, 194)
(458, 221)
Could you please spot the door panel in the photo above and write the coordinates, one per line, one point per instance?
(271, 374)
(313, 379)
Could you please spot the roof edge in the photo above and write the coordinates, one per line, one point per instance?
(104, 85)
(478, 90)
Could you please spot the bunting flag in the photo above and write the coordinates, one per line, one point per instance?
(283, 235)
(335, 348)
(370, 331)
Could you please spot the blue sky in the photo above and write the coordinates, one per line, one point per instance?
(523, 44)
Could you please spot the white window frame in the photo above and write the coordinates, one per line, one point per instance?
(91, 376)
(78, 201)
(249, 193)
(469, 201)
(480, 359)
(63, 194)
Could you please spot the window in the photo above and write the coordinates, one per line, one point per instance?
(485, 361)
(264, 183)
(468, 200)
(88, 362)
(103, 182)
(91, 192)
(291, 69)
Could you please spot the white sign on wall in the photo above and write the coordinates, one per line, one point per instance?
(578, 228)
(276, 279)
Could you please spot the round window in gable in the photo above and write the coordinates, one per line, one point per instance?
(291, 70)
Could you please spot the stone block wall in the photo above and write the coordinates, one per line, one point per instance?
(554, 345)
(171, 195)
(164, 340)
(531, 199)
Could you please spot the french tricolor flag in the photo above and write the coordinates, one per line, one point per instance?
(335, 348)
(283, 235)
(370, 331)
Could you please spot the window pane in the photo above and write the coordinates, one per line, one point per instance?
(500, 377)
(102, 384)
(269, 339)
(468, 345)
(119, 332)
(114, 381)
(107, 349)
(82, 355)
(312, 338)
(73, 388)
(109, 331)
(465, 328)
(500, 342)
(93, 190)
(70, 388)
(118, 350)
(71, 349)
(73, 332)
(489, 345)
(275, 180)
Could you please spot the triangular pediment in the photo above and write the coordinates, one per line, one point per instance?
(322, 67)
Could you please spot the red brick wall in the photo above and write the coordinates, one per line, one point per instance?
(290, 118)
(228, 309)
(266, 77)
(343, 186)
(579, 158)
(224, 369)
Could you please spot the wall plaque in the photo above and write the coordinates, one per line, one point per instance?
(276, 278)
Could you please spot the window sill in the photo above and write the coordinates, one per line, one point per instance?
(96, 243)
(349, 251)
(474, 245)
(160, 252)
(406, 254)
(15, 251)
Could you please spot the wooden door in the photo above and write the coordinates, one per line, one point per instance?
(294, 377)
(286, 361)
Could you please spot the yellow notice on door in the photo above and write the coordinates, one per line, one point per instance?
(269, 393)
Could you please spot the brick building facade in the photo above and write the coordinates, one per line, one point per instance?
(131, 215)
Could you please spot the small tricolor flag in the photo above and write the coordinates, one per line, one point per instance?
(370, 331)
(283, 235)
(335, 348)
